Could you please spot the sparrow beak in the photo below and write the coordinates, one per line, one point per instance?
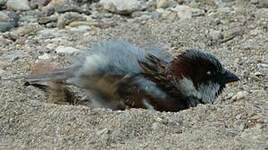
(230, 77)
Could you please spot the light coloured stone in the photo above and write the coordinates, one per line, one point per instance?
(121, 6)
(258, 74)
(66, 50)
(51, 46)
(24, 30)
(262, 66)
(184, 12)
(240, 95)
(82, 29)
(215, 35)
(3, 16)
(163, 3)
(103, 131)
(18, 4)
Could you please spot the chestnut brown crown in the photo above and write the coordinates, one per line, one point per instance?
(201, 67)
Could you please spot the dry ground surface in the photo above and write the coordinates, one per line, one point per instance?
(237, 121)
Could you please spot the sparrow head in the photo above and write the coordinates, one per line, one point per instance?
(199, 75)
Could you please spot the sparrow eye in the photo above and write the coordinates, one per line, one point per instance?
(208, 72)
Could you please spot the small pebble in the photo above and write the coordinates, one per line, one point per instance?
(122, 6)
(18, 5)
(262, 66)
(240, 95)
(258, 74)
(66, 50)
(103, 131)
(215, 35)
(163, 3)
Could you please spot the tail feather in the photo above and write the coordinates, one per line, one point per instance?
(57, 75)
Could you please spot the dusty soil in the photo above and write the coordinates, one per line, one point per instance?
(234, 122)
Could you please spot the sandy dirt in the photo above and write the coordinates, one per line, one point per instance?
(238, 120)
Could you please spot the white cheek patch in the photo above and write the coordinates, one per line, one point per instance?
(187, 87)
(209, 91)
(206, 92)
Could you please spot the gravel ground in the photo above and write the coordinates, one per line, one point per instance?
(238, 35)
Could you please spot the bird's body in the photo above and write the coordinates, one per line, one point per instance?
(121, 75)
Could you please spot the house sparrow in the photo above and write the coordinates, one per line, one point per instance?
(121, 75)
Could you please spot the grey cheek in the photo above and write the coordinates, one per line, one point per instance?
(187, 87)
(208, 92)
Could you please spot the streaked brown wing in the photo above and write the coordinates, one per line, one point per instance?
(154, 69)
